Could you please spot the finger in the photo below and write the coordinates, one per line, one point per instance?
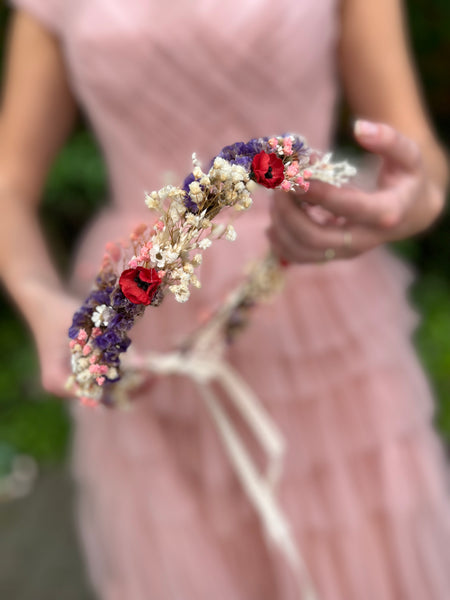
(386, 141)
(294, 225)
(287, 217)
(294, 244)
(290, 245)
(293, 253)
(373, 209)
(55, 383)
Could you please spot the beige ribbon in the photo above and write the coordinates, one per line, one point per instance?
(260, 487)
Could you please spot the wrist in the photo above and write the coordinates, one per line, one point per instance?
(34, 297)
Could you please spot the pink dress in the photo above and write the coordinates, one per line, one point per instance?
(162, 515)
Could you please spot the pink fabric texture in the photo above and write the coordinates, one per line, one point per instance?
(162, 515)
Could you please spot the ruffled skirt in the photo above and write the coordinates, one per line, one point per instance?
(162, 513)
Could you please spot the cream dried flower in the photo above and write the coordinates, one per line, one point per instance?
(230, 233)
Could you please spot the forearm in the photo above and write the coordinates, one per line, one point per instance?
(25, 264)
(382, 86)
(37, 114)
(431, 203)
(437, 166)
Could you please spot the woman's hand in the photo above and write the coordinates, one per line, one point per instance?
(405, 202)
(50, 321)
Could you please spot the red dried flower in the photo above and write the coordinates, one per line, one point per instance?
(268, 169)
(140, 285)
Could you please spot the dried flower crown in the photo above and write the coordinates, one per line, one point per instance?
(163, 256)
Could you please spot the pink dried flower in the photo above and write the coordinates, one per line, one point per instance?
(82, 336)
(303, 184)
(114, 251)
(89, 402)
(292, 169)
(138, 231)
(287, 146)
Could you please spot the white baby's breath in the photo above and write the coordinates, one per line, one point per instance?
(181, 292)
(153, 201)
(102, 315)
(230, 233)
(333, 173)
(204, 243)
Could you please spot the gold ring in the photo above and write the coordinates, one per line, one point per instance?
(347, 240)
(329, 254)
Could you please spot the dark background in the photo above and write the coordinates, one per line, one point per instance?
(34, 423)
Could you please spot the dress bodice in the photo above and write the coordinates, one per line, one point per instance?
(161, 80)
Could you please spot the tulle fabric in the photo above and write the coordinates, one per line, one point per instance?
(363, 485)
(162, 514)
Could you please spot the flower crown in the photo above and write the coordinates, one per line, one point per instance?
(162, 257)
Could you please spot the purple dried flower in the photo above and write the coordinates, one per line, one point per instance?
(73, 332)
(81, 320)
(242, 151)
(121, 322)
(111, 358)
(188, 202)
(98, 297)
(298, 146)
(190, 205)
(187, 182)
(107, 340)
(122, 305)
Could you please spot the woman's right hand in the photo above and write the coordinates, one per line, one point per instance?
(50, 322)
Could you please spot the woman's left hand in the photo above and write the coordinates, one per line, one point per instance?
(405, 202)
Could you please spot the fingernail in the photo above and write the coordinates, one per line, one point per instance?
(366, 128)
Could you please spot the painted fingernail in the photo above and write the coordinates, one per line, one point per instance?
(366, 128)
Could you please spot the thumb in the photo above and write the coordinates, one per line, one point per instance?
(388, 143)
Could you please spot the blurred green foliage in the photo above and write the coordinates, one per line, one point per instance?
(431, 296)
(33, 422)
(76, 189)
(30, 421)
